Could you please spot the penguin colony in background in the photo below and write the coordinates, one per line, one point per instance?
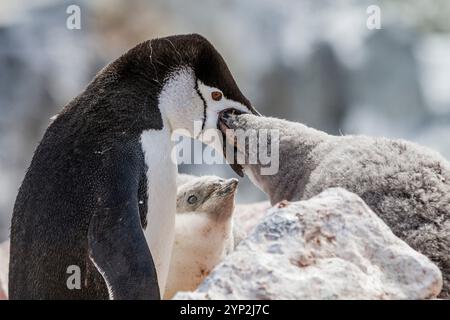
(102, 174)
(406, 185)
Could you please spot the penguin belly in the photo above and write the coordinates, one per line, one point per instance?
(162, 189)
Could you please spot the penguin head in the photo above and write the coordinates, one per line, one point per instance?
(188, 80)
(217, 87)
(200, 86)
(210, 195)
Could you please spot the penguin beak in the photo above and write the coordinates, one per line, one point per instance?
(222, 126)
(228, 187)
(255, 112)
(232, 184)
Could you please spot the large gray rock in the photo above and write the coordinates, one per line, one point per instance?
(248, 216)
(329, 247)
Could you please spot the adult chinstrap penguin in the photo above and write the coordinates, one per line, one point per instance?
(102, 173)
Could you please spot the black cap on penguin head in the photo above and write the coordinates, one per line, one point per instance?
(211, 69)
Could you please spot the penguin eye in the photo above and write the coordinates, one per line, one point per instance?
(192, 199)
(216, 95)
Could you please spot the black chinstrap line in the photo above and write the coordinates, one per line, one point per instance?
(204, 105)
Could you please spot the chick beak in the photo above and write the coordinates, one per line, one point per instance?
(232, 183)
(229, 187)
(223, 125)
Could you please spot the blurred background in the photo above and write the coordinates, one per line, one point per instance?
(310, 61)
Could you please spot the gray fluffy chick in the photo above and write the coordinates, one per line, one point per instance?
(407, 185)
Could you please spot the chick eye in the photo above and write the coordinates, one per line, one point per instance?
(192, 199)
(216, 95)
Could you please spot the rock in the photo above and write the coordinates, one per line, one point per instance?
(329, 247)
(247, 216)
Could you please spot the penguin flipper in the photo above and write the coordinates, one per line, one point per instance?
(118, 249)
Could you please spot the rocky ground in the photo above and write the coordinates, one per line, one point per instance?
(329, 247)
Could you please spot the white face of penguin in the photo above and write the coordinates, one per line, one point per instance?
(215, 103)
(191, 106)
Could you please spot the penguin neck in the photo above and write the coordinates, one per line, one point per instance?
(297, 145)
(179, 101)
